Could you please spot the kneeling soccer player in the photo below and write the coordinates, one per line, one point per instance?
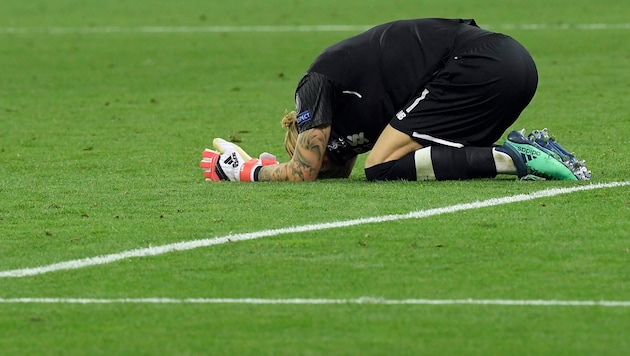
(427, 98)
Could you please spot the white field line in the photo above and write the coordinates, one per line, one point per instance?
(189, 245)
(302, 28)
(306, 301)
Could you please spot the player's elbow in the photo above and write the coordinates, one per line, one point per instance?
(302, 170)
(309, 175)
(295, 172)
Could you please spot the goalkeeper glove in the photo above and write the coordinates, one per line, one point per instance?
(230, 162)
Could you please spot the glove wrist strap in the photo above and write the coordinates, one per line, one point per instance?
(248, 171)
(256, 172)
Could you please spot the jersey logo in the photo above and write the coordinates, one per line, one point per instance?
(357, 139)
(303, 117)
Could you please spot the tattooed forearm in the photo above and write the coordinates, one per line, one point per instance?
(306, 162)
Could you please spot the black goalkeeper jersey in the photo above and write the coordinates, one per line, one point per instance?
(356, 86)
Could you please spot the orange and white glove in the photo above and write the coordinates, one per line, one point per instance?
(230, 162)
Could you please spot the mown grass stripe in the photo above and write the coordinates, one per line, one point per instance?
(58, 30)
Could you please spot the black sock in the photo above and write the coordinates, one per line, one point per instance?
(450, 163)
(402, 169)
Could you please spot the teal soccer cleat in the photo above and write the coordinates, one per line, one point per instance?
(576, 165)
(538, 156)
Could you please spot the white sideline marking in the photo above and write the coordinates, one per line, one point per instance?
(189, 245)
(303, 28)
(300, 301)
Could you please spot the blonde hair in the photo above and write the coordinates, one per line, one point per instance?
(289, 121)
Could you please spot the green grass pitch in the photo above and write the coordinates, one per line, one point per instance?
(105, 107)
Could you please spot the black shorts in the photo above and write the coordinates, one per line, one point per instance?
(472, 100)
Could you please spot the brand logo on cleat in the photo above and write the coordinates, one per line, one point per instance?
(528, 154)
